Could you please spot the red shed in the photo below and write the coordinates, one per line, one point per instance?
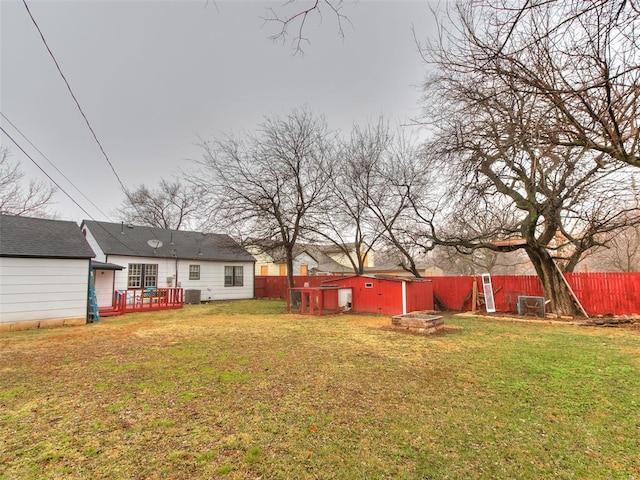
(386, 295)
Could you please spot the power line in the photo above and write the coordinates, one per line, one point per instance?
(56, 184)
(95, 137)
(63, 175)
(42, 170)
(124, 189)
(53, 165)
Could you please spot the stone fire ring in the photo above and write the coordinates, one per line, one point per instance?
(419, 322)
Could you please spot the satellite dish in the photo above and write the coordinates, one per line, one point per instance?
(154, 243)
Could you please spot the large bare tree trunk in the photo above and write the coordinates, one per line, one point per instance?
(553, 284)
(289, 259)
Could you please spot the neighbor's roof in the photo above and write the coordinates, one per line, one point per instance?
(132, 240)
(39, 237)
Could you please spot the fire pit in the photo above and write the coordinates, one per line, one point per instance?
(419, 322)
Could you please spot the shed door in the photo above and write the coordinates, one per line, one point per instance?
(344, 298)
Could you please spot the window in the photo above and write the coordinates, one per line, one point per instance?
(304, 269)
(194, 272)
(141, 275)
(264, 270)
(233, 276)
(283, 270)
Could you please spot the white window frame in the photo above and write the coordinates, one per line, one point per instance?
(194, 272)
(234, 276)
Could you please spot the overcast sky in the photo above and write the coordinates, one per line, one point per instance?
(154, 76)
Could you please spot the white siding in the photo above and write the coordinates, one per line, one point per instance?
(43, 288)
(303, 259)
(100, 256)
(345, 260)
(262, 259)
(211, 282)
(166, 268)
(272, 268)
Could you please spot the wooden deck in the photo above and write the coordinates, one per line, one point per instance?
(138, 300)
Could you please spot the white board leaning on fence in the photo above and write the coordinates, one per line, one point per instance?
(488, 293)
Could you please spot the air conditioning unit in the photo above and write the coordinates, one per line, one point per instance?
(192, 296)
(531, 306)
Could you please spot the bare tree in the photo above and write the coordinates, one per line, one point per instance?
(580, 60)
(534, 120)
(266, 185)
(508, 183)
(345, 219)
(401, 183)
(20, 198)
(294, 17)
(171, 205)
(620, 253)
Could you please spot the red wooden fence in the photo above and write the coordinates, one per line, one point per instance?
(607, 293)
(276, 286)
(599, 293)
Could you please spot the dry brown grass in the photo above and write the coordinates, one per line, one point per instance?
(241, 390)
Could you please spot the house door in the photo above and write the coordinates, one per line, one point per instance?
(104, 287)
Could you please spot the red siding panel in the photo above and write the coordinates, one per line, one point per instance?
(384, 297)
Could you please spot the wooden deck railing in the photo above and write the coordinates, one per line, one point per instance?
(138, 300)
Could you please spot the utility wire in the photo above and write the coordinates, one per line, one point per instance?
(124, 189)
(95, 137)
(42, 170)
(53, 165)
(61, 189)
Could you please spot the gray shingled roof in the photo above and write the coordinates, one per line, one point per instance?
(39, 237)
(131, 240)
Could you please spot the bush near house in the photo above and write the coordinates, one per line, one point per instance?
(241, 390)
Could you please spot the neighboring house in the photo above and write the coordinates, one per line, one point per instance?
(339, 256)
(272, 261)
(44, 273)
(212, 263)
(308, 259)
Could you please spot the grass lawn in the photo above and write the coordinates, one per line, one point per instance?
(241, 390)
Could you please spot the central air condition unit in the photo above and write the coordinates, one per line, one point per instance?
(192, 296)
(531, 306)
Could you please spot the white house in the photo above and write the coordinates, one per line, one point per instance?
(308, 259)
(273, 262)
(44, 273)
(137, 257)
